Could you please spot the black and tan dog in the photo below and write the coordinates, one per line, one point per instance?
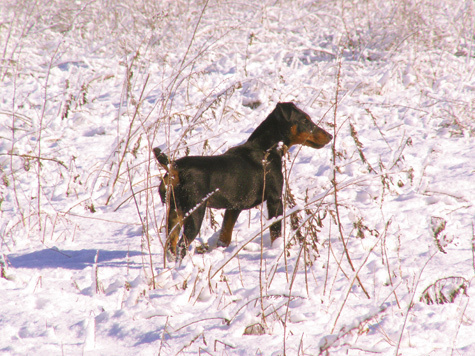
(239, 179)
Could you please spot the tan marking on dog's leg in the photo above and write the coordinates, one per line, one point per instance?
(175, 223)
(230, 217)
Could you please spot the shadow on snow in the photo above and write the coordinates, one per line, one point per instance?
(73, 259)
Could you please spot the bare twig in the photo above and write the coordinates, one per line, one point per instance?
(35, 158)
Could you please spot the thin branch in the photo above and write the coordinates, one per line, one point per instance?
(352, 282)
(35, 158)
(411, 304)
(129, 135)
(334, 183)
(147, 237)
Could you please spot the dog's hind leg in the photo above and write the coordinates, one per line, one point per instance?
(174, 225)
(230, 217)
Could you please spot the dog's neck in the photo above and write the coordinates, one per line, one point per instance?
(269, 133)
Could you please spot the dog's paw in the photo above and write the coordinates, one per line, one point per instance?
(181, 250)
(171, 257)
(202, 248)
(221, 244)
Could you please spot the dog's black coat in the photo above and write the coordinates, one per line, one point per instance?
(239, 179)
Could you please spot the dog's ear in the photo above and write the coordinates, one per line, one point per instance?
(285, 110)
(161, 157)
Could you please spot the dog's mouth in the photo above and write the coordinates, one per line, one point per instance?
(318, 139)
(312, 144)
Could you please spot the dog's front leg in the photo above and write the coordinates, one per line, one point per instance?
(192, 228)
(275, 209)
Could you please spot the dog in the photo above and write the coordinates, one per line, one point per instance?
(239, 179)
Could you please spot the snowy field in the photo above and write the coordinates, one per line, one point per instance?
(379, 245)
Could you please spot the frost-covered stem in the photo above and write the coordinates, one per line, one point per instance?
(385, 255)
(286, 180)
(163, 336)
(129, 136)
(12, 150)
(4, 60)
(355, 277)
(144, 228)
(305, 265)
(254, 300)
(328, 258)
(240, 271)
(199, 321)
(410, 305)
(327, 342)
(259, 233)
(171, 87)
(95, 275)
(194, 33)
(27, 25)
(334, 183)
(40, 131)
(190, 343)
(147, 189)
(294, 275)
(458, 327)
(301, 346)
(473, 247)
(264, 164)
(31, 156)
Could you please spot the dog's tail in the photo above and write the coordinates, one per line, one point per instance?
(172, 178)
(162, 158)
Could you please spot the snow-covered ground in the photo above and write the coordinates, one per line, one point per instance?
(87, 88)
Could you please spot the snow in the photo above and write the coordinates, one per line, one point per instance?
(88, 88)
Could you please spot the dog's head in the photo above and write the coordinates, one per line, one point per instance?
(302, 129)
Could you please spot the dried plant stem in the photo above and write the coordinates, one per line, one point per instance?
(411, 304)
(286, 182)
(458, 326)
(473, 247)
(327, 343)
(294, 275)
(385, 256)
(328, 259)
(319, 198)
(355, 277)
(20, 210)
(334, 182)
(145, 230)
(40, 131)
(264, 164)
(163, 336)
(129, 136)
(99, 289)
(34, 157)
(175, 84)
